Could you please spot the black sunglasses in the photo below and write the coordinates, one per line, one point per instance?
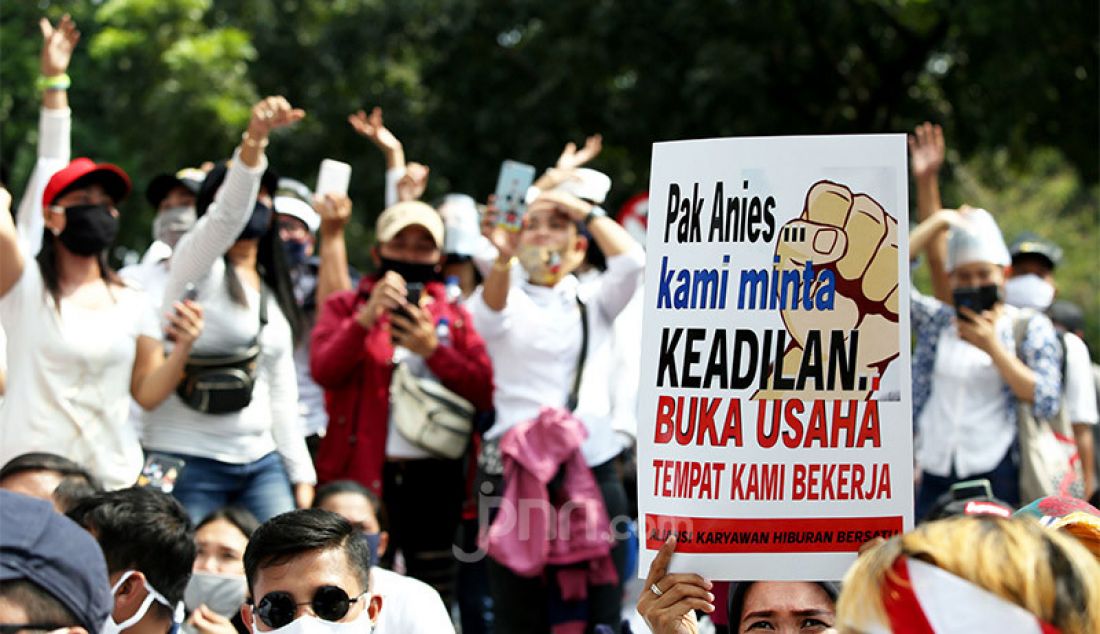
(331, 603)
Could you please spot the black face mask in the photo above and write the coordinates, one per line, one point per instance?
(89, 229)
(409, 271)
(258, 223)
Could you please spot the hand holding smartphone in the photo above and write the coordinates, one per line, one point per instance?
(333, 178)
(511, 193)
(413, 291)
(978, 299)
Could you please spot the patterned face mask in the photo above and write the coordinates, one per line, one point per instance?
(545, 266)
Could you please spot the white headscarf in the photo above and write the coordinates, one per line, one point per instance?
(979, 241)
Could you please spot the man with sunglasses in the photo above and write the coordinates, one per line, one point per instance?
(308, 571)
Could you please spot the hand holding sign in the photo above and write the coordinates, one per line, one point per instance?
(851, 240)
(673, 610)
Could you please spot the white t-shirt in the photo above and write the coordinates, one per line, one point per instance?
(149, 275)
(409, 606)
(1080, 400)
(534, 343)
(68, 383)
(270, 421)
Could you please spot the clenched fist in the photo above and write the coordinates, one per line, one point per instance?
(852, 236)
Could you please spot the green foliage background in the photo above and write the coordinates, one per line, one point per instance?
(160, 84)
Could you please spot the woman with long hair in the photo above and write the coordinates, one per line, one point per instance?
(233, 420)
(80, 341)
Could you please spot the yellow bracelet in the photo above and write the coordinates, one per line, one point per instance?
(506, 266)
(250, 142)
(53, 82)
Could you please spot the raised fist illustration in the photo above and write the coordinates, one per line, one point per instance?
(851, 239)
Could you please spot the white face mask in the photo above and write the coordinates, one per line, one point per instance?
(309, 624)
(1029, 291)
(170, 224)
(110, 627)
(223, 594)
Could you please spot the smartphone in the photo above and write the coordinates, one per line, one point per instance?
(970, 489)
(189, 293)
(511, 194)
(977, 299)
(160, 472)
(413, 291)
(333, 178)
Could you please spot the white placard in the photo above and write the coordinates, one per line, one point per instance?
(775, 431)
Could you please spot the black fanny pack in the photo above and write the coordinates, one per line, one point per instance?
(223, 383)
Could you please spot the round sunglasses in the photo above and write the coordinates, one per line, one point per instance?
(331, 603)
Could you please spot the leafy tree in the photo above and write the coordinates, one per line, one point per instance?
(160, 84)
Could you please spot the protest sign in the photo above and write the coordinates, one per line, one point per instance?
(775, 432)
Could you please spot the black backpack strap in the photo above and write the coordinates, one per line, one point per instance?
(573, 393)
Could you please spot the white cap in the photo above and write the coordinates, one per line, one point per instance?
(462, 224)
(404, 214)
(979, 241)
(588, 184)
(298, 208)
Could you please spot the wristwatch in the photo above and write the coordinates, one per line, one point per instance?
(596, 212)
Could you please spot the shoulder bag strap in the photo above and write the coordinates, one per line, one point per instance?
(572, 402)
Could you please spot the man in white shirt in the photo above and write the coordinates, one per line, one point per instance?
(536, 331)
(412, 606)
(1080, 387)
(1031, 284)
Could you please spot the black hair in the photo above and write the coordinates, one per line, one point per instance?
(40, 606)
(325, 491)
(144, 529)
(76, 483)
(286, 536)
(239, 517)
(270, 256)
(47, 255)
(1043, 260)
(51, 275)
(594, 254)
(45, 461)
(735, 602)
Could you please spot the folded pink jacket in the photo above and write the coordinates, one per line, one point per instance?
(529, 532)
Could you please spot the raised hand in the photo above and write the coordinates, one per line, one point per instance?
(572, 158)
(926, 150)
(372, 127)
(574, 207)
(413, 183)
(58, 44)
(272, 113)
(335, 212)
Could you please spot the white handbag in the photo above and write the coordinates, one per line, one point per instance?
(429, 415)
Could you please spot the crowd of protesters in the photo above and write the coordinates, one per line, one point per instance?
(242, 433)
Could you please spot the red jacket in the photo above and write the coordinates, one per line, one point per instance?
(354, 367)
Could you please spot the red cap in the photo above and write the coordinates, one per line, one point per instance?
(111, 177)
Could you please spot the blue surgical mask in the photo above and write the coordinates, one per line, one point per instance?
(295, 252)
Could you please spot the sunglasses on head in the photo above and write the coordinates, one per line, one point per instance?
(278, 609)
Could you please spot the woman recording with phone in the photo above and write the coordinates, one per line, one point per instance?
(968, 371)
(403, 369)
(233, 419)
